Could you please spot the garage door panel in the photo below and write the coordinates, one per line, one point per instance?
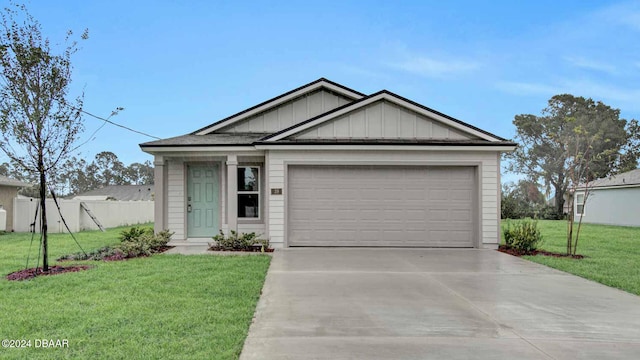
(380, 206)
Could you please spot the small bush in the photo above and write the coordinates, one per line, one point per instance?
(134, 242)
(98, 254)
(238, 241)
(145, 244)
(524, 236)
(134, 233)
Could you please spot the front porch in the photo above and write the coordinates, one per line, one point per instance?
(198, 196)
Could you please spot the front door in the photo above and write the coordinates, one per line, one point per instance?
(203, 205)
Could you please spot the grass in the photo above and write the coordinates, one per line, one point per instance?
(612, 253)
(161, 307)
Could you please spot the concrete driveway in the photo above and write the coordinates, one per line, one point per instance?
(435, 304)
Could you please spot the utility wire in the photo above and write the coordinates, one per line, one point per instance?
(118, 125)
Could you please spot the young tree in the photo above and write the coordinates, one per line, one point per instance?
(39, 121)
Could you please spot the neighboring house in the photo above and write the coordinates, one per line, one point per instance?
(9, 191)
(613, 201)
(325, 165)
(119, 193)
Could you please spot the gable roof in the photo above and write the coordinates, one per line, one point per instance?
(6, 181)
(389, 96)
(627, 179)
(271, 103)
(123, 192)
(215, 137)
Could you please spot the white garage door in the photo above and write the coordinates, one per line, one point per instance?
(390, 206)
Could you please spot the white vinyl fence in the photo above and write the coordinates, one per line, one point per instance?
(109, 213)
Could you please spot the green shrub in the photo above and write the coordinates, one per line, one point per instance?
(238, 241)
(145, 244)
(134, 232)
(98, 254)
(134, 242)
(524, 236)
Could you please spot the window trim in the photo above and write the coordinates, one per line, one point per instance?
(580, 203)
(258, 193)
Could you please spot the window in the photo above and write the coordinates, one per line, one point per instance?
(579, 204)
(248, 192)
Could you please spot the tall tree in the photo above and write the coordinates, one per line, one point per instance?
(571, 132)
(139, 174)
(38, 119)
(110, 170)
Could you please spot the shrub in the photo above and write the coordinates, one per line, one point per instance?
(238, 241)
(145, 244)
(134, 242)
(98, 254)
(134, 233)
(524, 236)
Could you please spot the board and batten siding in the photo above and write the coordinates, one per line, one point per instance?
(383, 120)
(289, 113)
(487, 163)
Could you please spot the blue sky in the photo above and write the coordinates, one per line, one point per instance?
(176, 66)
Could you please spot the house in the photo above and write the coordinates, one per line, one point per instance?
(326, 165)
(613, 201)
(9, 191)
(119, 193)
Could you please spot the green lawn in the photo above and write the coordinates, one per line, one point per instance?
(612, 253)
(161, 307)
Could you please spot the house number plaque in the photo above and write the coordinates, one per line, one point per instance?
(276, 191)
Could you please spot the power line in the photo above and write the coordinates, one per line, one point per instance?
(118, 125)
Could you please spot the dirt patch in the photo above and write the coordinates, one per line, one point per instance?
(27, 274)
(514, 252)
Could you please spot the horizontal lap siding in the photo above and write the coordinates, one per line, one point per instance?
(175, 199)
(488, 192)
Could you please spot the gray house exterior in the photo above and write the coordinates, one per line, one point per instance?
(611, 201)
(326, 165)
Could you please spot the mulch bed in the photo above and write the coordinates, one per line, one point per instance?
(253, 249)
(514, 252)
(27, 274)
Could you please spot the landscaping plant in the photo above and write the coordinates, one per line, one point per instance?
(239, 241)
(524, 236)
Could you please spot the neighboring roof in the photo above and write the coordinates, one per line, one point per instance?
(387, 95)
(6, 181)
(123, 192)
(320, 83)
(629, 178)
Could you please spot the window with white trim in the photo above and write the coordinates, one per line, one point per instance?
(579, 204)
(248, 192)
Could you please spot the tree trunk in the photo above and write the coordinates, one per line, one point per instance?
(559, 199)
(43, 219)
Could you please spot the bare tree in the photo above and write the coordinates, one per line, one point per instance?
(39, 122)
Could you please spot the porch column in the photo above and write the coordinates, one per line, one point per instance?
(232, 192)
(159, 222)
